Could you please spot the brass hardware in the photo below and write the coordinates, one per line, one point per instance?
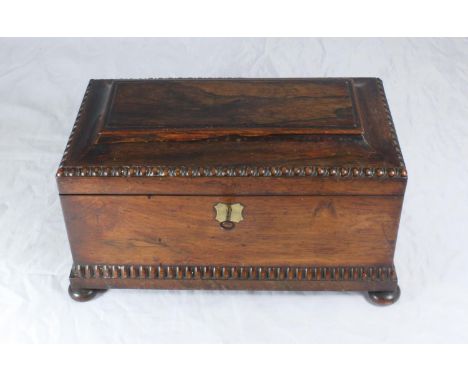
(228, 214)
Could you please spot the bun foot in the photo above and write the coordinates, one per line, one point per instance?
(82, 295)
(384, 298)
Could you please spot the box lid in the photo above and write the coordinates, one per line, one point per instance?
(230, 136)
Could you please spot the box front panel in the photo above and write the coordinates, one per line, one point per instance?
(274, 231)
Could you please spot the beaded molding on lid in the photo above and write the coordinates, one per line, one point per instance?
(239, 171)
(231, 171)
(251, 273)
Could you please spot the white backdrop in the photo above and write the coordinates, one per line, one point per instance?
(42, 82)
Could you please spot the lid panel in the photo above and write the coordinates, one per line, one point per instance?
(338, 130)
(198, 109)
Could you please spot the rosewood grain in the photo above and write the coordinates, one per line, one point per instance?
(216, 108)
(98, 284)
(231, 186)
(374, 147)
(276, 230)
(315, 162)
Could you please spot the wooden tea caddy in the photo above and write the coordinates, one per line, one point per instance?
(258, 184)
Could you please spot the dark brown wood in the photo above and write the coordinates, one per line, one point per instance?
(276, 230)
(265, 186)
(370, 278)
(384, 298)
(363, 146)
(80, 294)
(143, 283)
(315, 163)
(162, 110)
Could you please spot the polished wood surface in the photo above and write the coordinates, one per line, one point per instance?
(98, 284)
(345, 123)
(385, 297)
(315, 163)
(82, 295)
(276, 231)
(162, 110)
(230, 186)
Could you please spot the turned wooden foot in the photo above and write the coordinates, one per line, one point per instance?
(82, 295)
(385, 297)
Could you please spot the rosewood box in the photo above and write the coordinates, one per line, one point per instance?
(259, 184)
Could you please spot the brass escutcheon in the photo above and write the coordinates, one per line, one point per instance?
(228, 214)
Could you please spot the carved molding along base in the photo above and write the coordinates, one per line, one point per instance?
(208, 272)
(233, 277)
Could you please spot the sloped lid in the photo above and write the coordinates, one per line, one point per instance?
(172, 128)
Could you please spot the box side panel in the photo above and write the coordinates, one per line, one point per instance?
(275, 231)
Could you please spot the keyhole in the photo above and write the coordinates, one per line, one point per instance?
(227, 225)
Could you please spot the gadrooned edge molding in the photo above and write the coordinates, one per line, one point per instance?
(250, 273)
(230, 171)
